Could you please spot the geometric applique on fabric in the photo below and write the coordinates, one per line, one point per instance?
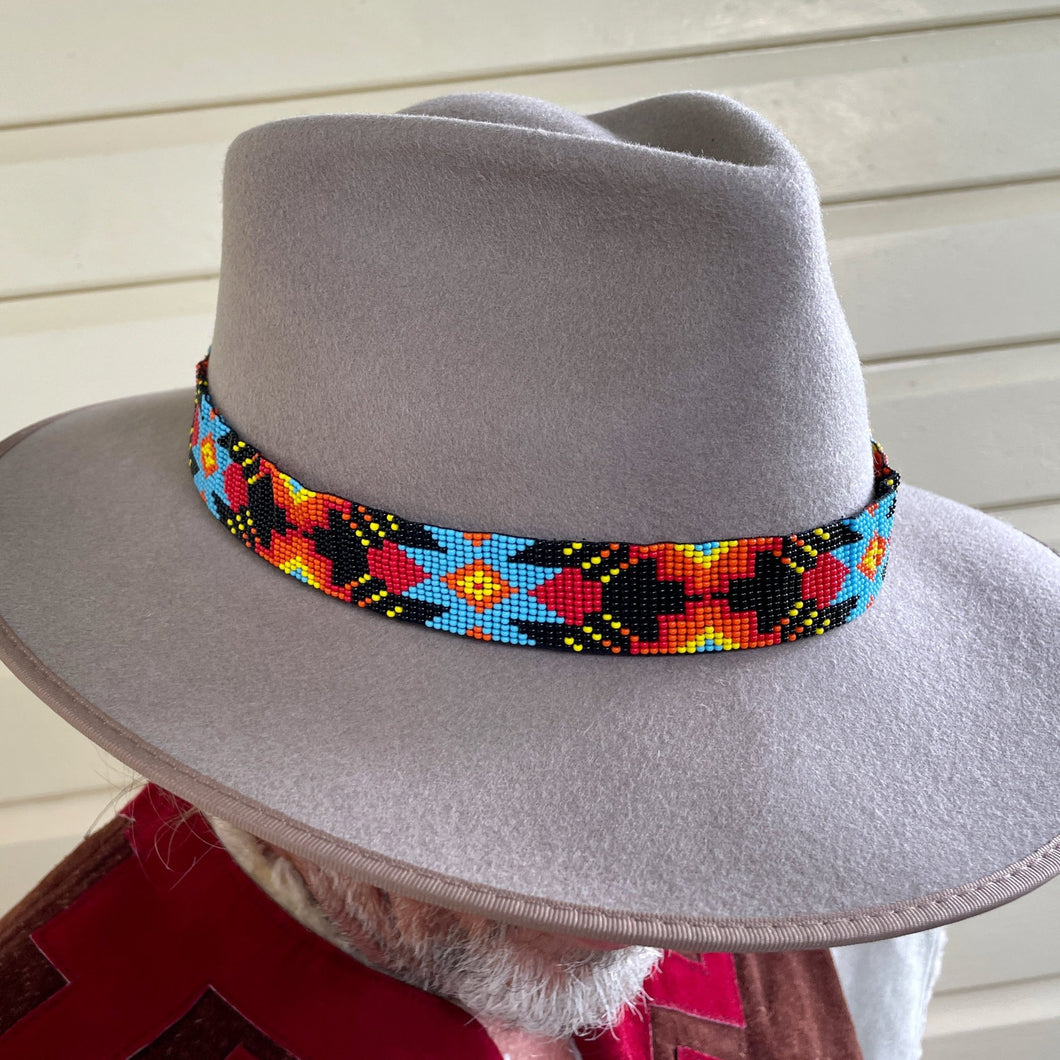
(599, 597)
(222, 972)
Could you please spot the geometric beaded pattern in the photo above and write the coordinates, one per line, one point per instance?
(607, 597)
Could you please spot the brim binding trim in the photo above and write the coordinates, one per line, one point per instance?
(684, 934)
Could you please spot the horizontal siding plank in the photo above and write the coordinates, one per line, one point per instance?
(1041, 521)
(948, 271)
(1014, 941)
(64, 59)
(885, 116)
(23, 865)
(1017, 1019)
(138, 199)
(981, 427)
(1036, 1039)
(42, 755)
(35, 836)
(96, 361)
(75, 813)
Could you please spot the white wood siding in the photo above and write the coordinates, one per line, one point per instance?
(932, 129)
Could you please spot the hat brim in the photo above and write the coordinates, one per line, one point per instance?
(896, 774)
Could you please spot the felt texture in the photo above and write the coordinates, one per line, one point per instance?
(542, 331)
(221, 971)
(387, 326)
(887, 984)
(823, 780)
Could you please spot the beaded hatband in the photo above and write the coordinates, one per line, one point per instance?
(595, 596)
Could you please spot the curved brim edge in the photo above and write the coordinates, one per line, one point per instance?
(751, 934)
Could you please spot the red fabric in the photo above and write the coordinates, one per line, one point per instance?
(143, 944)
(703, 986)
(178, 919)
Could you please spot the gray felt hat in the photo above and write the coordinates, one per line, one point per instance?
(492, 314)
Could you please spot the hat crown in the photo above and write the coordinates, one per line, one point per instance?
(490, 313)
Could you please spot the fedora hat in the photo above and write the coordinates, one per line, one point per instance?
(650, 642)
